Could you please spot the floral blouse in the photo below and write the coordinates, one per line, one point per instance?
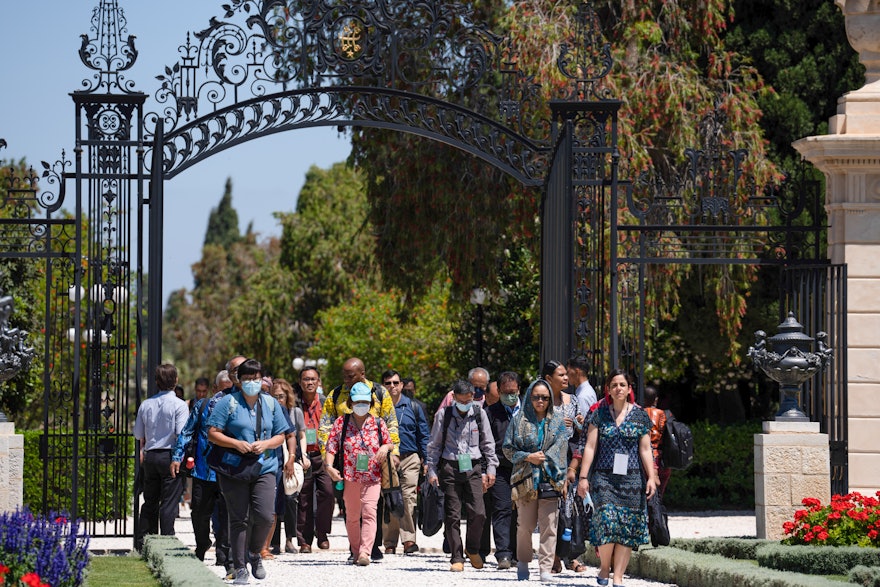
(364, 440)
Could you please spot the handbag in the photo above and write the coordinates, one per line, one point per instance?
(521, 486)
(292, 483)
(432, 509)
(547, 491)
(231, 463)
(392, 493)
(658, 522)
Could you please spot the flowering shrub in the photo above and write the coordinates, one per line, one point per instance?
(37, 551)
(851, 519)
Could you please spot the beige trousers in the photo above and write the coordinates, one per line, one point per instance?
(544, 513)
(404, 529)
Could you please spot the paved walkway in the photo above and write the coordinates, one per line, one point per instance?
(430, 566)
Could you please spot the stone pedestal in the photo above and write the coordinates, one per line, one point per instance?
(11, 467)
(791, 463)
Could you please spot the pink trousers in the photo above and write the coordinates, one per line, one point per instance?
(360, 516)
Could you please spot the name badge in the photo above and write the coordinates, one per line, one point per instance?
(363, 462)
(464, 463)
(621, 463)
(311, 436)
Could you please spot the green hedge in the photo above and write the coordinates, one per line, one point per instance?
(737, 548)
(175, 565)
(816, 560)
(723, 472)
(865, 576)
(691, 569)
(103, 494)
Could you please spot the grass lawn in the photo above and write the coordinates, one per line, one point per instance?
(114, 571)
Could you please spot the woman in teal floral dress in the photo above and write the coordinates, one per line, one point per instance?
(618, 439)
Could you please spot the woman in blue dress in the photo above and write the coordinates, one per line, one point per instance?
(618, 439)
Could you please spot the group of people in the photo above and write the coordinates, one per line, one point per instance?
(506, 462)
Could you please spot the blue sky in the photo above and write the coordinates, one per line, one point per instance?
(40, 66)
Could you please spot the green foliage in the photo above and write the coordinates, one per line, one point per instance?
(510, 320)
(175, 565)
(802, 52)
(376, 327)
(865, 576)
(723, 471)
(816, 560)
(105, 571)
(110, 501)
(738, 548)
(692, 569)
(328, 243)
(223, 221)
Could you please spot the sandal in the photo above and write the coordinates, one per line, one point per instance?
(577, 566)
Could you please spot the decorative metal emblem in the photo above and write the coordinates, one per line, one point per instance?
(349, 39)
(110, 51)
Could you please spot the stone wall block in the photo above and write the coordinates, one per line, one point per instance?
(782, 459)
(816, 461)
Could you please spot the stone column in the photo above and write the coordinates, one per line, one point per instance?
(11, 467)
(791, 463)
(850, 159)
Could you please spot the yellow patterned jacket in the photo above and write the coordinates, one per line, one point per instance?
(383, 409)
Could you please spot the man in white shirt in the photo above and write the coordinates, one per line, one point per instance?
(159, 420)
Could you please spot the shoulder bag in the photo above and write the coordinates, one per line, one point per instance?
(392, 493)
(231, 463)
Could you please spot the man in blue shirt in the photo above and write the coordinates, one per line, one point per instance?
(206, 491)
(412, 426)
(159, 420)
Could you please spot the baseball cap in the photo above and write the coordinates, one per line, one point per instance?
(360, 392)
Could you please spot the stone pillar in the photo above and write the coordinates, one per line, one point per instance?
(850, 159)
(791, 463)
(11, 467)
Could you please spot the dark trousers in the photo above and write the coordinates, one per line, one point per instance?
(499, 508)
(462, 489)
(316, 501)
(248, 501)
(161, 496)
(206, 497)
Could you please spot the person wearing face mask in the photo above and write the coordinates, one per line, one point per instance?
(234, 424)
(499, 506)
(461, 461)
(364, 443)
(479, 378)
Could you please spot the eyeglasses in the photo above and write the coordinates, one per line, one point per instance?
(390, 383)
(280, 396)
(541, 398)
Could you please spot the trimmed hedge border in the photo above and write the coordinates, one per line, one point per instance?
(692, 569)
(865, 576)
(816, 560)
(737, 548)
(174, 564)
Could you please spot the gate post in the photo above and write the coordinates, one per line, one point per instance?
(849, 159)
(156, 250)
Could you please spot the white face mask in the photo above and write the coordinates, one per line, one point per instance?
(463, 407)
(251, 388)
(361, 409)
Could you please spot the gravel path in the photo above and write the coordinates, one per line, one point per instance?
(430, 566)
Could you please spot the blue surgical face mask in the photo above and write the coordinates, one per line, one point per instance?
(251, 388)
(463, 407)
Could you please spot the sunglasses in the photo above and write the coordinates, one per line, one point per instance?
(390, 383)
(540, 398)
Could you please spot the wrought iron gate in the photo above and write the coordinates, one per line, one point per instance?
(266, 67)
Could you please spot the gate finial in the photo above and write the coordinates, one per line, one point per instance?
(110, 51)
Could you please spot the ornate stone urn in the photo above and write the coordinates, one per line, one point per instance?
(862, 19)
(789, 361)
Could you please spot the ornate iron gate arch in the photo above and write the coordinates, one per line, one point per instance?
(420, 66)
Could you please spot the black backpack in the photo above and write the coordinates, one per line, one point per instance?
(677, 445)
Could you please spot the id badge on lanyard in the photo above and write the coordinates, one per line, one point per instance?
(464, 463)
(363, 462)
(311, 436)
(621, 463)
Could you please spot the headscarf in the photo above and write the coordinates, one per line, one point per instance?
(521, 438)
